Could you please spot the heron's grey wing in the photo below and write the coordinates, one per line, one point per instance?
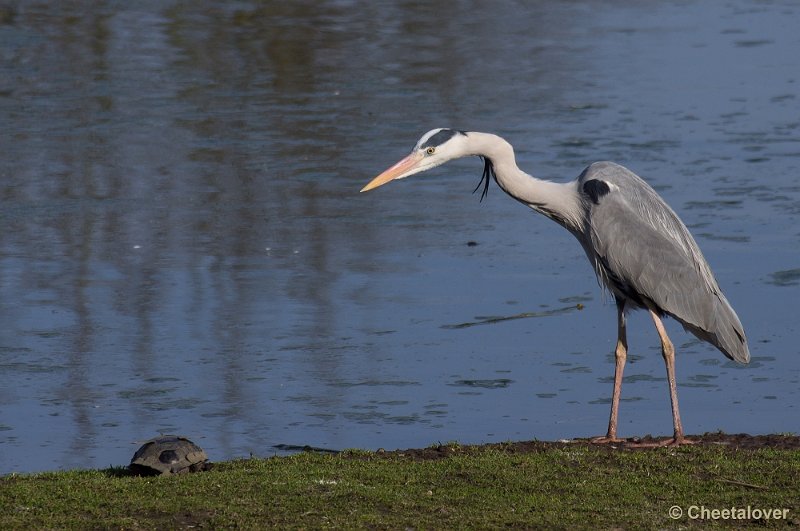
(643, 251)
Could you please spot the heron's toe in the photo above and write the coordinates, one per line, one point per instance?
(606, 439)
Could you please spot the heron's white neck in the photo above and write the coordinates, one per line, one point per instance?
(558, 201)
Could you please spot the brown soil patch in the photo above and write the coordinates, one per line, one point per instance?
(735, 441)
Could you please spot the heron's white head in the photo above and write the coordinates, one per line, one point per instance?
(434, 149)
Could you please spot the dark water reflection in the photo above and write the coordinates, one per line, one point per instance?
(183, 248)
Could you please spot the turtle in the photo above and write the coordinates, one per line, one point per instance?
(168, 454)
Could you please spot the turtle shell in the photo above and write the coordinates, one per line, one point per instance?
(168, 454)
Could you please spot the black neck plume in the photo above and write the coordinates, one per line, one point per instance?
(488, 174)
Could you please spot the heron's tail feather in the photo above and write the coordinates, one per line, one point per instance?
(724, 331)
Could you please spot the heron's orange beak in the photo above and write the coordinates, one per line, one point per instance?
(398, 170)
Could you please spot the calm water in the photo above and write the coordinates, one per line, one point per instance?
(183, 248)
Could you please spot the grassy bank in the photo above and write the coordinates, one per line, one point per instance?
(538, 485)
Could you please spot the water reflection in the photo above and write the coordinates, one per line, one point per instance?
(183, 248)
(483, 320)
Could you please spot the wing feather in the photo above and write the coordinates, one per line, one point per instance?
(643, 250)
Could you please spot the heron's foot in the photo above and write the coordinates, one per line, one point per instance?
(606, 439)
(679, 441)
(675, 441)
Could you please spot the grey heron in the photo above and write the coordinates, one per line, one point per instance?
(640, 250)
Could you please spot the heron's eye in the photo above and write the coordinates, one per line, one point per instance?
(431, 150)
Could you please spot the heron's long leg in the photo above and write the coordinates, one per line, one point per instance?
(620, 355)
(668, 350)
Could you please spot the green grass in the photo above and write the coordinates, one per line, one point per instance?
(566, 487)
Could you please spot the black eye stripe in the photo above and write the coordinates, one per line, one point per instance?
(440, 138)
